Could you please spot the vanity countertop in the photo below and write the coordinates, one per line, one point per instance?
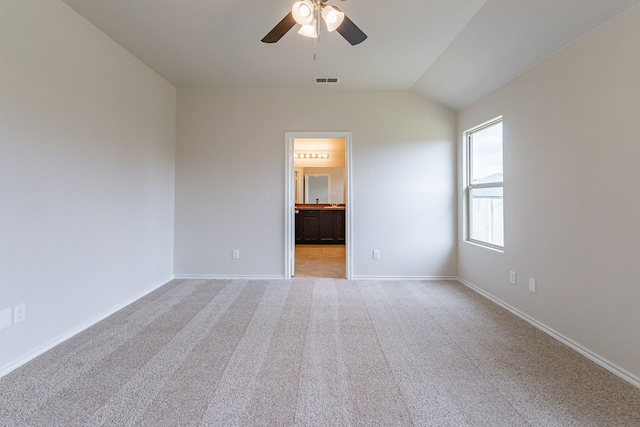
(315, 207)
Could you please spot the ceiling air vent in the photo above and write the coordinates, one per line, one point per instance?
(323, 80)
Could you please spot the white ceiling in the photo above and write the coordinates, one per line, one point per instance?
(454, 51)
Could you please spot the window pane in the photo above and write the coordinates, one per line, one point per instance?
(486, 154)
(486, 215)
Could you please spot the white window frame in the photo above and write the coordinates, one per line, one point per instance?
(470, 186)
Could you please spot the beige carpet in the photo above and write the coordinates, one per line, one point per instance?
(316, 352)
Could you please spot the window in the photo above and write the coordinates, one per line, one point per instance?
(484, 184)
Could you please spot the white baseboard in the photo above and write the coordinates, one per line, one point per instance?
(225, 277)
(614, 369)
(276, 277)
(4, 370)
(428, 278)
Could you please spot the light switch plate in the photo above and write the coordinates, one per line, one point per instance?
(19, 313)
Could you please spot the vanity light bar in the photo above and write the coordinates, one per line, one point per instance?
(310, 156)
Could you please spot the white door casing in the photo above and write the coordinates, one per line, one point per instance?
(289, 208)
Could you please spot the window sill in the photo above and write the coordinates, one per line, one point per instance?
(484, 245)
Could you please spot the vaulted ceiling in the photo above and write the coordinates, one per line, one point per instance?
(453, 51)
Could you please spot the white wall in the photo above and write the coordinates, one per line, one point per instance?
(87, 160)
(230, 179)
(572, 198)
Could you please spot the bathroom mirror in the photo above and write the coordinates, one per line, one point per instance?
(316, 189)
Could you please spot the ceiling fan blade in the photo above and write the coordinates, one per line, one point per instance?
(351, 32)
(280, 30)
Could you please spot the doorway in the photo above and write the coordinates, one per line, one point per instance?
(318, 226)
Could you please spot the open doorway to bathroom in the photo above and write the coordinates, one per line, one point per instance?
(318, 205)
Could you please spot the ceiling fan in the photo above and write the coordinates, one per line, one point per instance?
(307, 13)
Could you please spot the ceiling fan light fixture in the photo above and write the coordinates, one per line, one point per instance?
(303, 12)
(333, 17)
(307, 13)
(309, 30)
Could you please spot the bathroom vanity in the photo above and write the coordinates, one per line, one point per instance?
(320, 224)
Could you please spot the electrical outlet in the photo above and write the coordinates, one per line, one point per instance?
(5, 318)
(512, 277)
(19, 313)
(376, 254)
(532, 285)
(235, 254)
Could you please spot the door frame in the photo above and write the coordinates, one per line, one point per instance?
(289, 202)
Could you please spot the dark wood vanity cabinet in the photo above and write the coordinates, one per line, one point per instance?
(320, 226)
